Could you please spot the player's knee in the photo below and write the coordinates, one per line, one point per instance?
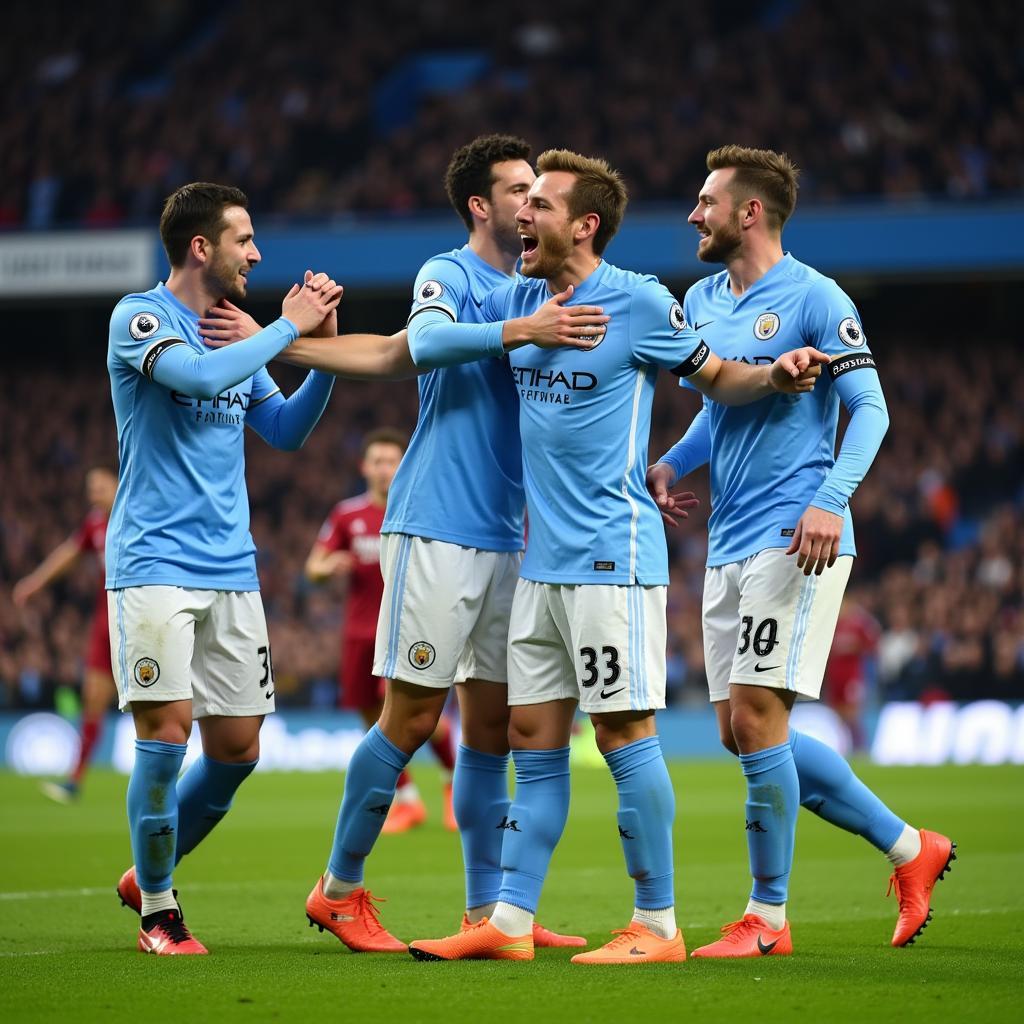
(409, 731)
(747, 727)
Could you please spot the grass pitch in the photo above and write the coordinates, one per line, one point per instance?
(67, 947)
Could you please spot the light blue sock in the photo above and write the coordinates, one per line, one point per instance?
(481, 803)
(153, 811)
(647, 807)
(205, 792)
(773, 800)
(534, 824)
(829, 788)
(369, 789)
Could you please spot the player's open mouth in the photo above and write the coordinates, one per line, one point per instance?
(529, 245)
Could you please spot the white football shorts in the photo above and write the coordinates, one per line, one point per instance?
(206, 646)
(767, 624)
(599, 644)
(444, 615)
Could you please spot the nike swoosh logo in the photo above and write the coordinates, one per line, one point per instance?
(766, 668)
(637, 952)
(269, 694)
(697, 327)
(611, 693)
(765, 950)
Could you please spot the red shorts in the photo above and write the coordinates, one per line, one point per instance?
(360, 688)
(97, 657)
(844, 690)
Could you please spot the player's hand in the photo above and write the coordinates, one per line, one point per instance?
(308, 305)
(225, 323)
(794, 372)
(22, 592)
(816, 540)
(672, 506)
(339, 563)
(556, 325)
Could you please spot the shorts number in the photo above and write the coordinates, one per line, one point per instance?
(590, 669)
(765, 636)
(268, 665)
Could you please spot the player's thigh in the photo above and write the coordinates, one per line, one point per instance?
(232, 664)
(232, 740)
(152, 639)
(720, 626)
(486, 653)
(618, 637)
(360, 688)
(540, 668)
(786, 623)
(432, 597)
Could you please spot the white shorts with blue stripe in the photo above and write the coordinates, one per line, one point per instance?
(767, 624)
(445, 611)
(599, 644)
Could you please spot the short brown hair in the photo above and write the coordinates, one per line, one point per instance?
(770, 176)
(471, 169)
(385, 435)
(196, 209)
(597, 189)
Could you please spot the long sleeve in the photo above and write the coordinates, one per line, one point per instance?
(287, 422)
(693, 449)
(207, 374)
(436, 341)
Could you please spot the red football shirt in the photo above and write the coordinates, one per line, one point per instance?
(354, 525)
(92, 536)
(857, 635)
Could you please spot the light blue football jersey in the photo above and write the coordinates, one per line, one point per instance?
(585, 419)
(181, 514)
(770, 459)
(461, 480)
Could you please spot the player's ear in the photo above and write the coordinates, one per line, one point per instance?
(587, 227)
(200, 247)
(479, 207)
(753, 212)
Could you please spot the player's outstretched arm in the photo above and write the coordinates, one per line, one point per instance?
(207, 374)
(735, 383)
(356, 356)
(58, 562)
(322, 563)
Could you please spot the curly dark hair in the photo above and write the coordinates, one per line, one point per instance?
(470, 169)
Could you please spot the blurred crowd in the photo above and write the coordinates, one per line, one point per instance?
(110, 105)
(939, 524)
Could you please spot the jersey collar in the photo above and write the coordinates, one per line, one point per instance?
(171, 299)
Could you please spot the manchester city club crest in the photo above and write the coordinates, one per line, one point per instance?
(147, 671)
(767, 326)
(421, 655)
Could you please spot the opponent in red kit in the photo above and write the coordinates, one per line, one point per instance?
(349, 547)
(98, 689)
(856, 640)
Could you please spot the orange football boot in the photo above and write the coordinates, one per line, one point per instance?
(169, 936)
(128, 891)
(449, 811)
(404, 816)
(636, 944)
(543, 938)
(480, 941)
(355, 920)
(749, 937)
(913, 884)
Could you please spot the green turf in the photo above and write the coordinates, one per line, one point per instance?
(67, 947)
